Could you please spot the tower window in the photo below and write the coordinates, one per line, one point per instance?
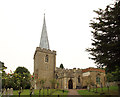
(46, 58)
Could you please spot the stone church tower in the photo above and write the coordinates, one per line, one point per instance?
(44, 61)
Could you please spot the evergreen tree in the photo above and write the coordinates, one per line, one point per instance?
(61, 66)
(106, 38)
(3, 75)
(2, 68)
(23, 76)
(22, 70)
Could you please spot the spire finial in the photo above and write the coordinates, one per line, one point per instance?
(44, 12)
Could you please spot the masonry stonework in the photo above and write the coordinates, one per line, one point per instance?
(80, 78)
(45, 69)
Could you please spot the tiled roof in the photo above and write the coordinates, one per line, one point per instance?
(93, 69)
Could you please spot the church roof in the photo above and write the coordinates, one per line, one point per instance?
(44, 43)
(93, 69)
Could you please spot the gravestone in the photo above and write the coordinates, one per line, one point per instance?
(11, 91)
(21, 89)
(4, 92)
(8, 91)
(33, 91)
(88, 88)
(107, 85)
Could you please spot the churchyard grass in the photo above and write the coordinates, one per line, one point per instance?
(45, 92)
(113, 90)
(24, 92)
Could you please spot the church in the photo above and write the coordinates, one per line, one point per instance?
(45, 69)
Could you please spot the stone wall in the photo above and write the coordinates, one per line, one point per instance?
(88, 76)
(42, 69)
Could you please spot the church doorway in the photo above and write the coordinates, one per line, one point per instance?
(70, 84)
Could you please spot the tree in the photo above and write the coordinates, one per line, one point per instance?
(110, 77)
(22, 70)
(61, 66)
(2, 70)
(106, 39)
(7, 79)
(22, 77)
(2, 67)
(106, 34)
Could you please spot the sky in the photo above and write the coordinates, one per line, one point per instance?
(68, 31)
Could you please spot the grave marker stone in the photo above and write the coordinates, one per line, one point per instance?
(88, 88)
(11, 91)
(4, 92)
(33, 91)
(1, 91)
(8, 91)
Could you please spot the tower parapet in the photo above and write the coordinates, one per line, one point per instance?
(39, 49)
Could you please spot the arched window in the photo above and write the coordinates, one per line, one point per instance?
(78, 79)
(98, 79)
(46, 58)
(56, 76)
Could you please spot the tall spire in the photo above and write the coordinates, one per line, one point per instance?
(44, 43)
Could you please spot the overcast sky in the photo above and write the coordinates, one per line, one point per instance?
(68, 30)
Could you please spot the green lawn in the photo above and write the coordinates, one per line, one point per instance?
(45, 92)
(113, 90)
